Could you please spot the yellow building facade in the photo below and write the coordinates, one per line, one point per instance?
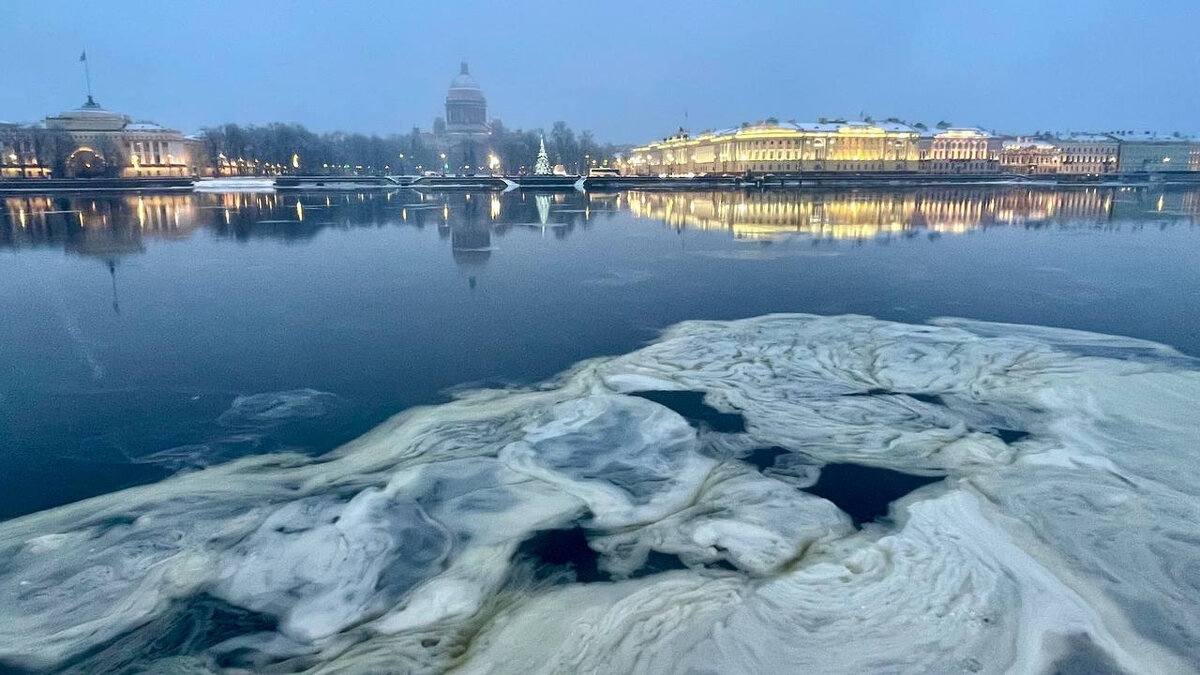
(959, 150)
(110, 143)
(772, 147)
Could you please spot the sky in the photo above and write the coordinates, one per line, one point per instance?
(628, 71)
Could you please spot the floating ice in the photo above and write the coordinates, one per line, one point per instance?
(1048, 523)
(278, 407)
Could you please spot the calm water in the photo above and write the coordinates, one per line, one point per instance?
(131, 325)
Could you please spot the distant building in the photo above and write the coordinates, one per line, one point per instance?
(464, 135)
(467, 136)
(1087, 153)
(1157, 153)
(1030, 156)
(773, 147)
(959, 150)
(111, 143)
(90, 141)
(18, 153)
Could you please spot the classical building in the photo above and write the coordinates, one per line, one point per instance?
(1156, 153)
(109, 143)
(90, 141)
(462, 139)
(774, 147)
(18, 153)
(1030, 156)
(1087, 153)
(959, 150)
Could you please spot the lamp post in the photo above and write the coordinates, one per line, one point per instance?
(444, 165)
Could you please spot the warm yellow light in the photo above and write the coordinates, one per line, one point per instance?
(295, 161)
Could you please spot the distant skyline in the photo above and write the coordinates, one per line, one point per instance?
(629, 72)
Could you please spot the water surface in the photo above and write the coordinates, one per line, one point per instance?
(133, 324)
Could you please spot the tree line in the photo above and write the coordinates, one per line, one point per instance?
(279, 147)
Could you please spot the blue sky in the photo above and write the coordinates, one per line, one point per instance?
(625, 70)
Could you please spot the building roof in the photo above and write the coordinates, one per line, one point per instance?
(88, 117)
(774, 128)
(1028, 143)
(145, 126)
(1150, 137)
(1085, 138)
(957, 132)
(464, 87)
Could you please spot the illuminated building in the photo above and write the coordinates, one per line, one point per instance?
(959, 150)
(1030, 156)
(108, 143)
(1087, 153)
(773, 147)
(18, 155)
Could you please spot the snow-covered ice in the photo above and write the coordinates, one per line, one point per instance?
(1057, 531)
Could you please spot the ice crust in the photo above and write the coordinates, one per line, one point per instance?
(1074, 543)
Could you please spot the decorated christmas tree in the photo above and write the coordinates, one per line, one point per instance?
(542, 167)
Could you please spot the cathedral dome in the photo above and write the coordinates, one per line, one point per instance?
(464, 87)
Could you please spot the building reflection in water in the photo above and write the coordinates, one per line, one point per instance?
(860, 215)
(109, 228)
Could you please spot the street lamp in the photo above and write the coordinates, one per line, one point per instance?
(444, 165)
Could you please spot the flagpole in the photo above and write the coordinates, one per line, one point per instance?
(87, 73)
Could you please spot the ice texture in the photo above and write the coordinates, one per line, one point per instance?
(1056, 530)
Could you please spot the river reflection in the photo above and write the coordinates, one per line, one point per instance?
(109, 227)
(858, 215)
(133, 323)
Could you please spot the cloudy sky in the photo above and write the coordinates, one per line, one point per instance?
(629, 71)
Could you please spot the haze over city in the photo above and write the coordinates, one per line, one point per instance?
(627, 71)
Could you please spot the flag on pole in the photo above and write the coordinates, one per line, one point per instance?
(83, 55)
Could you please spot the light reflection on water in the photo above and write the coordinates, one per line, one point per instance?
(100, 225)
(167, 307)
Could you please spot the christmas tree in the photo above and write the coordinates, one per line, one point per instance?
(542, 167)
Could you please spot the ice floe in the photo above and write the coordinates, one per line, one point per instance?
(687, 507)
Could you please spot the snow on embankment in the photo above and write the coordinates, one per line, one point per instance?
(235, 185)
